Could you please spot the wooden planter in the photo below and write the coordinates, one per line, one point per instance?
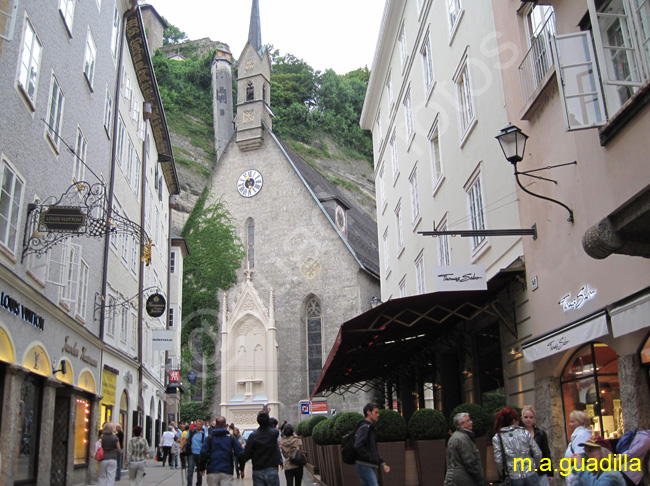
(491, 471)
(349, 475)
(431, 460)
(334, 452)
(481, 445)
(317, 457)
(394, 454)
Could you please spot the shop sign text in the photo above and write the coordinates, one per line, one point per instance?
(583, 296)
(14, 307)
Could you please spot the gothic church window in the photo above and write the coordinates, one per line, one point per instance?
(314, 343)
(250, 242)
(250, 92)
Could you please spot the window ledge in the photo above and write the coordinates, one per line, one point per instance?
(401, 252)
(26, 98)
(52, 142)
(395, 177)
(625, 114)
(80, 319)
(468, 132)
(35, 279)
(417, 221)
(480, 250)
(437, 185)
(4, 251)
(410, 141)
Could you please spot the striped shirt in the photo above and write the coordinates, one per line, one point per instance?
(138, 449)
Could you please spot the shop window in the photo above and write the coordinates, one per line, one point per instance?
(590, 383)
(81, 431)
(29, 428)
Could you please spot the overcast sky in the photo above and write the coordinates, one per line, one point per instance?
(336, 34)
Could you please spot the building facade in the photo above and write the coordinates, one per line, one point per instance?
(434, 104)
(88, 174)
(576, 77)
(311, 260)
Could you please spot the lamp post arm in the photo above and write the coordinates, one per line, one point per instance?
(569, 219)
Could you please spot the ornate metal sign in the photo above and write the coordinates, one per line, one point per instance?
(81, 211)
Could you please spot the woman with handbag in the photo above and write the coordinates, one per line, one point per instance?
(289, 444)
(516, 453)
(108, 464)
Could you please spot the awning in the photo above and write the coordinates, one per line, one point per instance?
(393, 335)
(569, 336)
(631, 317)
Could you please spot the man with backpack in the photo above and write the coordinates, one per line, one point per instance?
(263, 449)
(365, 444)
(217, 455)
(192, 449)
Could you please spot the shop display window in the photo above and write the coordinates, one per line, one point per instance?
(590, 383)
(29, 428)
(81, 431)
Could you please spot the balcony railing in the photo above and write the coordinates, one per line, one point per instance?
(538, 60)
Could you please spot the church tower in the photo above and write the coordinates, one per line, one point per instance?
(222, 101)
(253, 88)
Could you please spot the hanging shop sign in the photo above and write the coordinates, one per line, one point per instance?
(174, 376)
(452, 278)
(14, 307)
(162, 340)
(109, 384)
(574, 334)
(63, 218)
(156, 305)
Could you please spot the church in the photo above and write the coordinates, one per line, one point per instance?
(311, 256)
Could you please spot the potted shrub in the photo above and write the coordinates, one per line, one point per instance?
(322, 438)
(482, 423)
(428, 429)
(346, 423)
(391, 434)
(308, 430)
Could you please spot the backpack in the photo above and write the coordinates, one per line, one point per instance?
(187, 450)
(625, 441)
(348, 451)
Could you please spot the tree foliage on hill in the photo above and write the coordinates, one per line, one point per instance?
(172, 35)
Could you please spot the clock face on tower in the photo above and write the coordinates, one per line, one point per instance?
(249, 183)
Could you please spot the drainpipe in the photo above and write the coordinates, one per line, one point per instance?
(111, 184)
(171, 205)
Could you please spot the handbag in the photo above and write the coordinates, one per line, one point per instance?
(99, 453)
(297, 458)
(505, 477)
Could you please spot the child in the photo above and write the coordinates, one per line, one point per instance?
(176, 449)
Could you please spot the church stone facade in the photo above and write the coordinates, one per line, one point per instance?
(311, 262)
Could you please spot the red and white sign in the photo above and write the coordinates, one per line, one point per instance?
(318, 407)
(174, 375)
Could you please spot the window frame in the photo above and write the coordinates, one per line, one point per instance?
(435, 153)
(394, 155)
(90, 59)
(386, 240)
(55, 114)
(403, 46)
(465, 98)
(476, 206)
(427, 65)
(454, 16)
(33, 65)
(108, 112)
(408, 117)
(66, 10)
(444, 251)
(13, 218)
(415, 197)
(399, 227)
(420, 274)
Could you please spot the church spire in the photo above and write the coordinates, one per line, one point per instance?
(255, 31)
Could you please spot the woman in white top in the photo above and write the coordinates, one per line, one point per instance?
(580, 425)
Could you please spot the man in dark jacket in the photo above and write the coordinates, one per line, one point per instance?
(365, 443)
(262, 448)
(463, 458)
(217, 454)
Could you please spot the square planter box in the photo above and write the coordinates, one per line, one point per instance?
(394, 453)
(431, 458)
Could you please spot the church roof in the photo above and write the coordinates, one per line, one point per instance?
(361, 236)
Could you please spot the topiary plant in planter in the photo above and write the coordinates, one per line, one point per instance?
(427, 424)
(482, 421)
(346, 423)
(391, 426)
(321, 431)
(299, 428)
(311, 423)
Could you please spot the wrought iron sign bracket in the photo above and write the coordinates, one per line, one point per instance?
(112, 309)
(81, 211)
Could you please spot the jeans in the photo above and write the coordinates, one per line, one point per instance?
(173, 461)
(367, 475)
(136, 472)
(293, 476)
(532, 480)
(107, 469)
(193, 463)
(219, 479)
(118, 472)
(266, 477)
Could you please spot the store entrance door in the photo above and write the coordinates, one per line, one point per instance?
(60, 441)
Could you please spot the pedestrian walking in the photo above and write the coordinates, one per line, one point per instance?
(218, 453)
(289, 443)
(108, 465)
(239, 465)
(193, 445)
(120, 437)
(580, 425)
(365, 443)
(167, 443)
(137, 456)
(464, 466)
(175, 452)
(262, 449)
(513, 442)
(528, 421)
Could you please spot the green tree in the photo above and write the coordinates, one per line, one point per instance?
(172, 35)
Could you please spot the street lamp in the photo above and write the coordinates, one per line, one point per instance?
(513, 145)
